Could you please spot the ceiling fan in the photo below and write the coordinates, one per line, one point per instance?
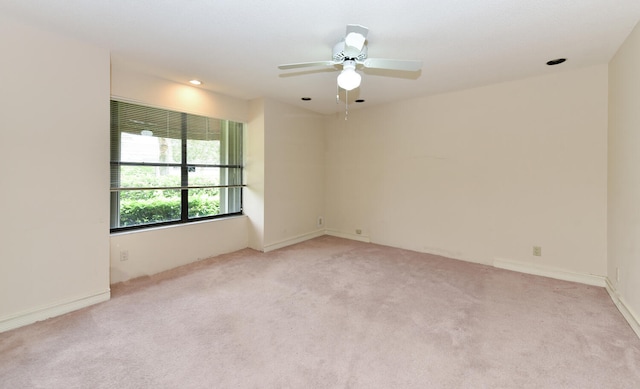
(351, 53)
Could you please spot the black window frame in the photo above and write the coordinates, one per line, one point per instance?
(236, 146)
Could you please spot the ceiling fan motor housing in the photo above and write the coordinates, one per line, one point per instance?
(340, 55)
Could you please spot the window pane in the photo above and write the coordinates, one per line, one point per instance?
(204, 202)
(203, 151)
(203, 140)
(230, 200)
(231, 176)
(137, 207)
(149, 148)
(200, 176)
(147, 176)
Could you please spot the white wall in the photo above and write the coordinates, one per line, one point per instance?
(480, 175)
(139, 87)
(624, 177)
(158, 249)
(253, 194)
(285, 174)
(294, 174)
(154, 250)
(54, 255)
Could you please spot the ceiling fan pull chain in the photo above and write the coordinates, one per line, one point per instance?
(346, 105)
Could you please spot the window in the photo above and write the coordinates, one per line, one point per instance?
(171, 167)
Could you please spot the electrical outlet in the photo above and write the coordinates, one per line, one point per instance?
(358, 231)
(124, 255)
(320, 222)
(537, 251)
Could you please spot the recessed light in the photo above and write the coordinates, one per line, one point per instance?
(306, 99)
(196, 82)
(556, 61)
(360, 101)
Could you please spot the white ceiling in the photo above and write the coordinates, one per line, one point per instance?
(234, 47)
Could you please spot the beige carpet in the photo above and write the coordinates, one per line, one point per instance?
(332, 313)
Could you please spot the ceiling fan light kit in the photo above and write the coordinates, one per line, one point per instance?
(349, 79)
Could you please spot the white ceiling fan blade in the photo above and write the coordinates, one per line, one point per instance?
(392, 64)
(306, 65)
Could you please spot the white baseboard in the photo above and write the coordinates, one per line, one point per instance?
(58, 309)
(545, 271)
(631, 318)
(347, 235)
(629, 315)
(294, 240)
(314, 234)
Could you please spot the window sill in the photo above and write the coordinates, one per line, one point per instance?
(178, 225)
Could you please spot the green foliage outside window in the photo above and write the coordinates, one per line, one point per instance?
(160, 208)
(152, 206)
